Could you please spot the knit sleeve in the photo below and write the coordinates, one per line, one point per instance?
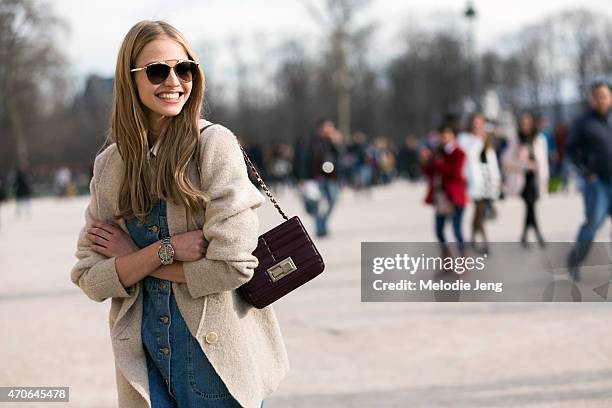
(94, 273)
(231, 224)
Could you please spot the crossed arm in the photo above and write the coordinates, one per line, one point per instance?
(133, 264)
(228, 236)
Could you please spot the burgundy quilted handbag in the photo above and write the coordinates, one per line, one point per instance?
(287, 256)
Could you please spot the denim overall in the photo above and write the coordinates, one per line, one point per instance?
(180, 375)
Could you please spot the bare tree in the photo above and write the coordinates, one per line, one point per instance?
(337, 19)
(426, 80)
(585, 37)
(30, 65)
(294, 80)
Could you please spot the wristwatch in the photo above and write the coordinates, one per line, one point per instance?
(166, 252)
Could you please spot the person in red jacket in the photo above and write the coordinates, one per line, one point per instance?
(447, 185)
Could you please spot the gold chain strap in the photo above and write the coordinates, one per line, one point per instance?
(261, 182)
(254, 170)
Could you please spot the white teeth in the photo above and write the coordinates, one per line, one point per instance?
(173, 95)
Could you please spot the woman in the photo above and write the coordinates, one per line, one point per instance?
(181, 333)
(447, 186)
(482, 172)
(526, 165)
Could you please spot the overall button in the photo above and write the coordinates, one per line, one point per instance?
(164, 319)
(211, 337)
(165, 350)
(153, 228)
(163, 286)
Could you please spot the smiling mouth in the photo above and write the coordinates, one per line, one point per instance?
(169, 96)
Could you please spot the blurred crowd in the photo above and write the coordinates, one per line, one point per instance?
(324, 162)
(364, 161)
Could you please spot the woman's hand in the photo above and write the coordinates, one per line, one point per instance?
(189, 246)
(110, 240)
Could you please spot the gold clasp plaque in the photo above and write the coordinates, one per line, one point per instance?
(281, 269)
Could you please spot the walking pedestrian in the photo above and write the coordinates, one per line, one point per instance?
(482, 173)
(589, 147)
(317, 159)
(444, 168)
(526, 165)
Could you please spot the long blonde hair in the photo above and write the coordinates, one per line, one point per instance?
(168, 179)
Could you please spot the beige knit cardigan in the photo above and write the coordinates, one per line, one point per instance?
(244, 344)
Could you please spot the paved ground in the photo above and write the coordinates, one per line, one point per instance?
(343, 353)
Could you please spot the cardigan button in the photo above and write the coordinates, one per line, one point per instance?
(211, 337)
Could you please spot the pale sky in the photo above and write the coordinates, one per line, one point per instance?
(212, 26)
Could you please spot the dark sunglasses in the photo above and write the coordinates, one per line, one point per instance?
(157, 72)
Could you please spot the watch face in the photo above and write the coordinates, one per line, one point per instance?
(166, 253)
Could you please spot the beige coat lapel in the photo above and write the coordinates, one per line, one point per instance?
(179, 221)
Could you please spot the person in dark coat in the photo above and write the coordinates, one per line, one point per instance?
(408, 159)
(316, 170)
(590, 149)
(363, 157)
(23, 190)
